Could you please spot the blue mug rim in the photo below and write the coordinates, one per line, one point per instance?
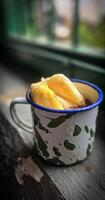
(91, 106)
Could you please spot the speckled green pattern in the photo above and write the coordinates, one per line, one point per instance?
(86, 128)
(59, 120)
(77, 130)
(42, 145)
(69, 145)
(88, 151)
(38, 123)
(91, 132)
(56, 151)
(63, 139)
(43, 128)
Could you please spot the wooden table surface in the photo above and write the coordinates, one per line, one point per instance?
(24, 175)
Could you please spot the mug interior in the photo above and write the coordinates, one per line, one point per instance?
(87, 91)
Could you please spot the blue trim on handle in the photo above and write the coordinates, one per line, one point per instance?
(93, 105)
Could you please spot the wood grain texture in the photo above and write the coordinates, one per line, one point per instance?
(11, 148)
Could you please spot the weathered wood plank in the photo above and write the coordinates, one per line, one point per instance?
(12, 151)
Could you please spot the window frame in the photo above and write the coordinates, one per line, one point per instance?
(73, 53)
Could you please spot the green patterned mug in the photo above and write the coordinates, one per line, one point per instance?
(63, 137)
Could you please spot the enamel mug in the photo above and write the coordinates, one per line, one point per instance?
(63, 137)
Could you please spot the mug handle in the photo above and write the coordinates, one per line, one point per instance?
(19, 122)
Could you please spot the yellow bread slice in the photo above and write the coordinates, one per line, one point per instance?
(65, 103)
(63, 87)
(35, 85)
(44, 96)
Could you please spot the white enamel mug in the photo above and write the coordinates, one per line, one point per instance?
(63, 137)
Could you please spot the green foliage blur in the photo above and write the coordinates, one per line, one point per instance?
(93, 35)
